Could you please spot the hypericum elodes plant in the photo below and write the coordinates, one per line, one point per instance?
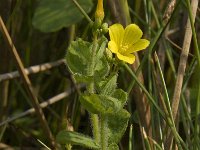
(89, 64)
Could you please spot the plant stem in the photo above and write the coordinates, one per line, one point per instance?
(196, 47)
(95, 127)
(83, 11)
(183, 61)
(146, 141)
(167, 101)
(165, 115)
(182, 66)
(130, 138)
(144, 90)
(91, 90)
(104, 137)
(92, 61)
(92, 64)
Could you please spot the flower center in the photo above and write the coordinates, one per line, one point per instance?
(123, 48)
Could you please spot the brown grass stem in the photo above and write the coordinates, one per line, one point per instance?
(169, 10)
(27, 83)
(44, 104)
(182, 66)
(183, 61)
(32, 70)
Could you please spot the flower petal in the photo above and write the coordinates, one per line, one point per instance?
(139, 45)
(131, 35)
(129, 58)
(116, 32)
(113, 47)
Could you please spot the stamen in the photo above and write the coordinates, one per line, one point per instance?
(123, 48)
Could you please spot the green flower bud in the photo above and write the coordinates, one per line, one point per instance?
(108, 54)
(104, 28)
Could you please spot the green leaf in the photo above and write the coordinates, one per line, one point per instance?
(100, 104)
(108, 86)
(101, 64)
(117, 124)
(52, 15)
(78, 58)
(102, 43)
(121, 95)
(82, 78)
(101, 69)
(113, 146)
(74, 138)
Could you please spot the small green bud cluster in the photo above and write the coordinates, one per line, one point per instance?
(100, 28)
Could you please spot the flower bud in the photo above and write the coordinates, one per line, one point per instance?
(108, 54)
(104, 28)
(99, 14)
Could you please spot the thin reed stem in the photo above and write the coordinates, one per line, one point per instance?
(82, 11)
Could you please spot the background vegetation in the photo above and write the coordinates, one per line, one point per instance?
(40, 37)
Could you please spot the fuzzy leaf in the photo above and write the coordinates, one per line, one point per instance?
(108, 86)
(113, 146)
(117, 124)
(82, 78)
(100, 104)
(52, 15)
(101, 65)
(121, 95)
(102, 43)
(78, 58)
(101, 69)
(74, 138)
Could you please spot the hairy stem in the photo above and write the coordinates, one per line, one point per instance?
(91, 90)
(104, 137)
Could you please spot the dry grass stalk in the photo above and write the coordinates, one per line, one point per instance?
(32, 70)
(27, 83)
(181, 67)
(44, 104)
(169, 10)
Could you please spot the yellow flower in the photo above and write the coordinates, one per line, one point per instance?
(124, 42)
